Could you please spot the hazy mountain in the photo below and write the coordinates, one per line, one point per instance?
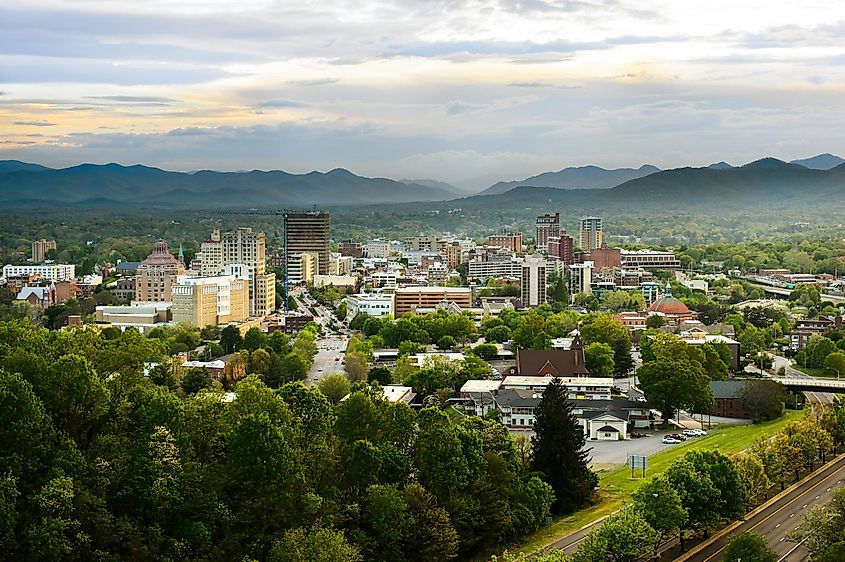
(585, 177)
(720, 166)
(17, 166)
(442, 185)
(144, 186)
(767, 182)
(821, 162)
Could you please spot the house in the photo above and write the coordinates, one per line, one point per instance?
(806, 327)
(561, 363)
(604, 427)
(41, 297)
(729, 402)
(478, 396)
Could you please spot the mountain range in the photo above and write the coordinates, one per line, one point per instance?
(767, 182)
(583, 177)
(113, 184)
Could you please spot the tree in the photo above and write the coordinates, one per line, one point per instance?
(833, 553)
(434, 537)
(748, 546)
(660, 505)
(498, 334)
(254, 339)
(558, 450)
(655, 321)
(334, 387)
(380, 375)
(752, 476)
(485, 350)
(210, 333)
(260, 362)
(599, 359)
(230, 338)
(722, 471)
(764, 399)
(446, 343)
(356, 366)
(235, 370)
(621, 538)
(314, 545)
(673, 383)
(835, 362)
(195, 379)
(698, 496)
(606, 329)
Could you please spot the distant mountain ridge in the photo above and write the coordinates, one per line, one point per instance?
(824, 161)
(22, 183)
(583, 177)
(768, 181)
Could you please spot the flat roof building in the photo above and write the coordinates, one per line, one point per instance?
(408, 299)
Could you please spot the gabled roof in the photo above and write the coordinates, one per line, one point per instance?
(555, 362)
(608, 428)
(726, 389)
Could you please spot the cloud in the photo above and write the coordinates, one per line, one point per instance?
(314, 82)
(459, 107)
(34, 123)
(280, 104)
(135, 99)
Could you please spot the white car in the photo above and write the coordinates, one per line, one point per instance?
(691, 432)
(670, 440)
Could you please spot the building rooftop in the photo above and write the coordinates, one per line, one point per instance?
(481, 385)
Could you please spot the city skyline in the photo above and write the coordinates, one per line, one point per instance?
(465, 92)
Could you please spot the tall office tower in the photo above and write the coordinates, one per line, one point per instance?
(40, 249)
(157, 274)
(581, 278)
(534, 278)
(591, 233)
(245, 247)
(546, 227)
(561, 248)
(308, 231)
(211, 255)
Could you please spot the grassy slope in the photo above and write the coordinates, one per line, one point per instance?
(617, 485)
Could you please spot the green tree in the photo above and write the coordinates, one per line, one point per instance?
(655, 321)
(334, 387)
(485, 350)
(835, 362)
(764, 399)
(254, 339)
(356, 366)
(380, 375)
(673, 383)
(621, 538)
(604, 328)
(699, 496)
(748, 546)
(752, 476)
(498, 334)
(558, 450)
(434, 537)
(314, 545)
(230, 338)
(599, 359)
(660, 505)
(446, 343)
(195, 379)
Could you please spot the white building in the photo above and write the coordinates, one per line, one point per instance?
(302, 268)
(504, 266)
(581, 278)
(51, 272)
(373, 304)
(577, 388)
(377, 248)
(648, 258)
(534, 276)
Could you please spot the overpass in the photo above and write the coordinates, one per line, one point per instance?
(811, 384)
(784, 292)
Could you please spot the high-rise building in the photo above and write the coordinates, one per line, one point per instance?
(581, 278)
(452, 254)
(421, 243)
(302, 268)
(546, 226)
(40, 249)
(561, 248)
(157, 274)
(247, 248)
(591, 236)
(511, 242)
(308, 231)
(211, 255)
(534, 279)
(210, 301)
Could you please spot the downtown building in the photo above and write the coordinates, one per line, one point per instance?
(534, 279)
(210, 301)
(40, 249)
(562, 248)
(591, 233)
(511, 242)
(308, 231)
(51, 272)
(545, 227)
(157, 274)
(243, 247)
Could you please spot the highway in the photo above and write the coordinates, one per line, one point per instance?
(779, 518)
(779, 361)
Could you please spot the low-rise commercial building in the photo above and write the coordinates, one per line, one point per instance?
(210, 301)
(141, 317)
(372, 304)
(408, 299)
(50, 272)
(649, 259)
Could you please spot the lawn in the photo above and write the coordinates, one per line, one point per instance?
(617, 485)
(816, 372)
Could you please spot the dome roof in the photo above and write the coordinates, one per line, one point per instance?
(160, 256)
(667, 304)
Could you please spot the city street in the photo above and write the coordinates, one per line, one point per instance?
(779, 361)
(330, 346)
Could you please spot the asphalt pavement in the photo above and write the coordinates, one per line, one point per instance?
(779, 361)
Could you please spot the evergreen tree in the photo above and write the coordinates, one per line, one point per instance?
(558, 447)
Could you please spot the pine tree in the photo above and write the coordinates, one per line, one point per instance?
(558, 448)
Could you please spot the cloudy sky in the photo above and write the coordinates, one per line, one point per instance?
(456, 90)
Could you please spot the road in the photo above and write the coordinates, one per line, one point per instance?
(779, 361)
(330, 347)
(780, 517)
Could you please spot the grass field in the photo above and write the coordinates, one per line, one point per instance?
(815, 372)
(616, 485)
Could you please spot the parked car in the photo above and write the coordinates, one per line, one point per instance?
(700, 432)
(669, 440)
(678, 436)
(691, 432)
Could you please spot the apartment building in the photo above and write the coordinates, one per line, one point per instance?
(591, 233)
(245, 247)
(210, 301)
(545, 227)
(484, 267)
(511, 242)
(409, 299)
(40, 249)
(50, 272)
(533, 279)
(562, 248)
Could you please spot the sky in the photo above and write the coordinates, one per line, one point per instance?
(464, 91)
